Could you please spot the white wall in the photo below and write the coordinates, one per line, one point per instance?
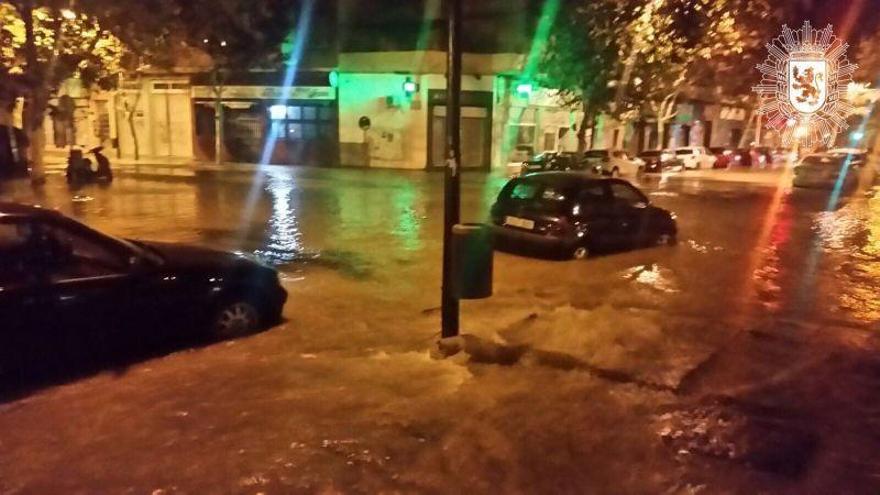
(398, 136)
(141, 119)
(151, 120)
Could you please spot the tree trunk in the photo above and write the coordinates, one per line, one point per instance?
(661, 128)
(582, 130)
(745, 135)
(5, 115)
(218, 117)
(134, 138)
(665, 112)
(36, 100)
(34, 110)
(130, 118)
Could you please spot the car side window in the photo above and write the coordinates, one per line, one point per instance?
(524, 190)
(74, 254)
(626, 194)
(590, 198)
(13, 253)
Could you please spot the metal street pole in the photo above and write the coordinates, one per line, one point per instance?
(452, 180)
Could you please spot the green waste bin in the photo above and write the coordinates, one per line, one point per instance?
(472, 254)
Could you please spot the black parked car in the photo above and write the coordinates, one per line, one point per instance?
(552, 160)
(573, 214)
(656, 161)
(67, 290)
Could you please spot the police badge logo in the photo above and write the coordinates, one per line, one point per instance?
(807, 81)
(803, 86)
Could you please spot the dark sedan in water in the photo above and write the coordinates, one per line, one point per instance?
(828, 170)
(574, 214)
(657, 161)
(66, 289)
(552, 160)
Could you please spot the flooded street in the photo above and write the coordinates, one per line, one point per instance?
(741, 360)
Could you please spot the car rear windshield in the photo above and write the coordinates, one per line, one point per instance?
(596, 154)
(823, 161)
(537, 195)
(851, 156)
(684, 152)
(541, 157)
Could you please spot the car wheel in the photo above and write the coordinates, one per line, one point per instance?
(235, 318)
(666, 239)
(580, 252)
(615, 172)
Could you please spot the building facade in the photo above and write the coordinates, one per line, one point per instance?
(373, 96)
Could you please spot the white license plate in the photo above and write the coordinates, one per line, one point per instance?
(522, 223)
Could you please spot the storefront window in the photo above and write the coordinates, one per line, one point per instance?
(294, 131)
(310, 131)
(300, 122)
(325, 113)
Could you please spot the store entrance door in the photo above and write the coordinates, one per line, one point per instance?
(475, 137)
(171, 115)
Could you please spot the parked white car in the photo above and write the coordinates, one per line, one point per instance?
(695, 157)
(613, 162)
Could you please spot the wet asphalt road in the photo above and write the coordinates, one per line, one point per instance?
(343, 396)
(798, 253)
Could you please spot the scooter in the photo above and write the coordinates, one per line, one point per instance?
(79, 168)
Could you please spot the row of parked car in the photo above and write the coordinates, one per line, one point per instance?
(617, 162)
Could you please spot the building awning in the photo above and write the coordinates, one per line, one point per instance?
(267, 93)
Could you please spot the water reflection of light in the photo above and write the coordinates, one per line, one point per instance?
(854, 231)
(815, 254)
(409, 224)
(763, 268)
(285, 239)
(653, 276)
(301, 35)
(872, 243)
